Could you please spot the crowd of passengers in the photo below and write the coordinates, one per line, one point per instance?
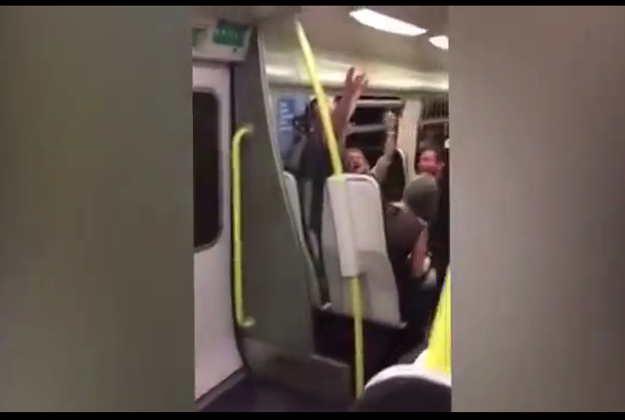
(416, 227)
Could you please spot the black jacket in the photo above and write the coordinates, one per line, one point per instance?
(439, 229)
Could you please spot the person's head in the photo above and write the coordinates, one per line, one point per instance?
(430, 162)
(356, 161)
(421, 197)
(314, 116)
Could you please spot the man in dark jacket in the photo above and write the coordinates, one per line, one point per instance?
(432, 161)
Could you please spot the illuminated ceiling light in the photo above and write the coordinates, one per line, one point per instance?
(279, 71)
(385, 23)
(440, 41)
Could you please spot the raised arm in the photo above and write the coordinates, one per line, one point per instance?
(380, 169)
(354, 86)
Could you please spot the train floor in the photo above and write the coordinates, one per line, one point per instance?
(333, 339)
(383, 346)
(253, 395)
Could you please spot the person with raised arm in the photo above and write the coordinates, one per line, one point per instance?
(357, 163)
(310, 161)
(315, 163)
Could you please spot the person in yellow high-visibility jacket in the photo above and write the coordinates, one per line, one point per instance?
(438, 356)
(425, 384)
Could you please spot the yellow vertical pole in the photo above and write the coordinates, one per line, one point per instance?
(337, 166)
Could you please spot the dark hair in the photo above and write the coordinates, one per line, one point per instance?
(421, 196)
(313, 104)
(303, 122)
(310, 111)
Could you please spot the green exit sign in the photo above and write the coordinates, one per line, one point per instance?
(230, 34)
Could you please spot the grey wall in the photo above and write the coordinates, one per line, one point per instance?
(538, 109)
(96, 270)
(275, 268)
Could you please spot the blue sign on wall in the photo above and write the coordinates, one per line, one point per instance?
(288, 106)
(285, 114)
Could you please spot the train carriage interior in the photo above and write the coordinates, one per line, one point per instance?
(276, 327)
(247, 208)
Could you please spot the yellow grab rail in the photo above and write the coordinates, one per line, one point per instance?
(337, 167)
(243, 321)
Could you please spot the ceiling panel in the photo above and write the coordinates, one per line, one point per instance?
(331, 29)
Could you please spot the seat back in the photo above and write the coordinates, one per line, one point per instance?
(292, 194)
(293, 198)
(354, 244)
(405, 395)
(407, 388)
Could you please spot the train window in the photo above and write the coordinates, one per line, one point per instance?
(206, 167)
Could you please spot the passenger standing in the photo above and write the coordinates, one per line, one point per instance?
(431, 161)
(407, 235)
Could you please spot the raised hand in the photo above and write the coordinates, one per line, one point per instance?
(355, 83)
(390, 123)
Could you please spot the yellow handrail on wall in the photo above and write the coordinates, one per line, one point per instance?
(243, 321)
(337, 168)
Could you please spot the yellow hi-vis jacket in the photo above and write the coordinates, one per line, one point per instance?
(438, 358)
